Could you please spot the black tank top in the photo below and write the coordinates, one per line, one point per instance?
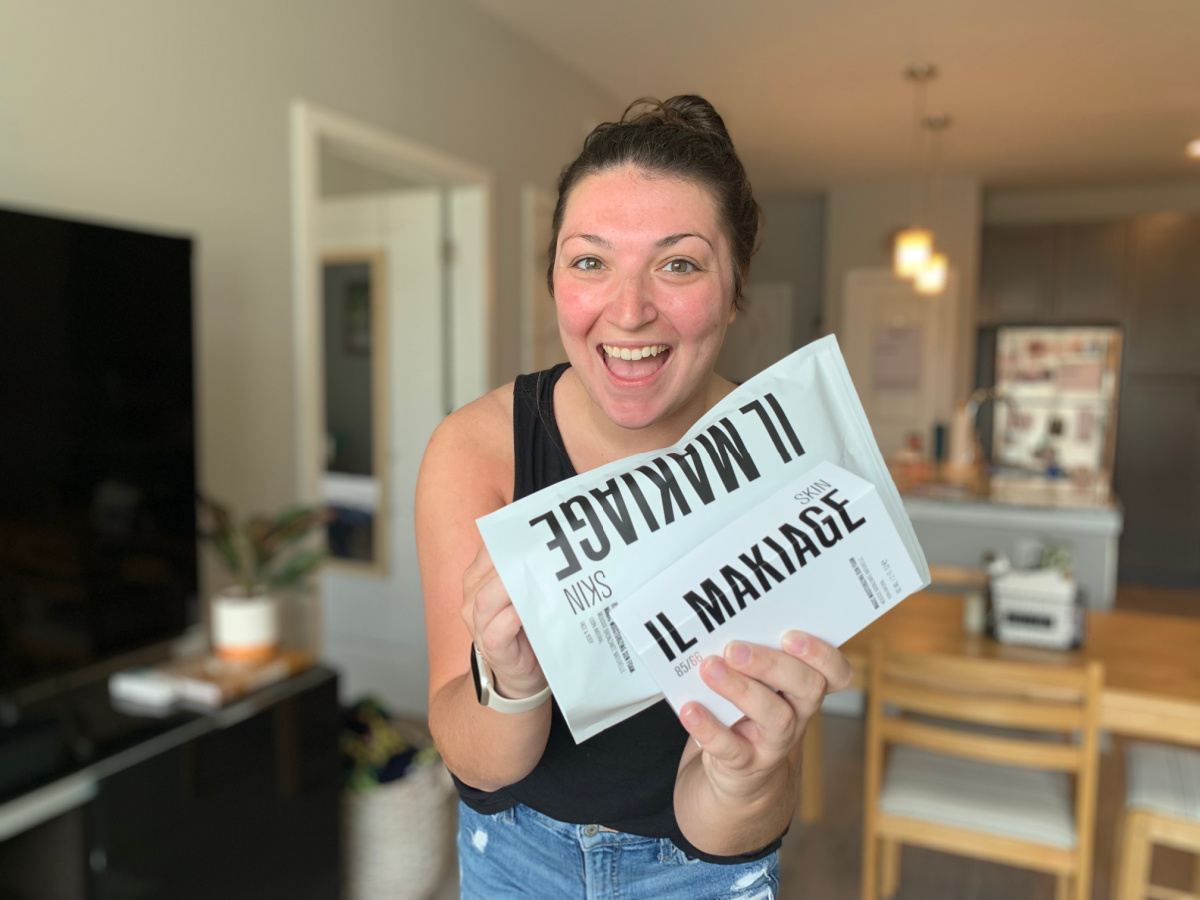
(623, 777)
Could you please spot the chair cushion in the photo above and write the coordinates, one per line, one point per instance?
(1163, 779)
(1008, 801)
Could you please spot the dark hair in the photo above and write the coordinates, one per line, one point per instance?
(683, 138)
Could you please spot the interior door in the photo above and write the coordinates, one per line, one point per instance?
(900, 349)
(541, 345)
(373, 625)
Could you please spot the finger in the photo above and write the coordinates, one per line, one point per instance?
(823, 657)
(490, 600)
(498, 638)
(776, 669)
(475, 576)
(718, 741)
(758, 702)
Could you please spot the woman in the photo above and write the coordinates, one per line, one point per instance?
(652, 238)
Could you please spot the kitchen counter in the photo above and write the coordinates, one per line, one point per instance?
(1031, 492)
(960, 522)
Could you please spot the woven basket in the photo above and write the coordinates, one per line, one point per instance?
(398, 838)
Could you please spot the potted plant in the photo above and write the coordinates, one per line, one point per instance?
(264, 555)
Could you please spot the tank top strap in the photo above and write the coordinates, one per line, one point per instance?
(540, 457)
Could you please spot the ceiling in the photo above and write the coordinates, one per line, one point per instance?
(1042, 92)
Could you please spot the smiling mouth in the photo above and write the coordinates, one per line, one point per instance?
(634, 363)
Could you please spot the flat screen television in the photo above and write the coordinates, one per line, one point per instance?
(97, 444)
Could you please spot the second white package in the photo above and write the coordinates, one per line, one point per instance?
(821, 555)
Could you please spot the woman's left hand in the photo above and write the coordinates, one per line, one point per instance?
(778, 691)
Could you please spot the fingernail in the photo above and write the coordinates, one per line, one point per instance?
(715, 667)
(795, 642)
(689, 716)
(738, 653)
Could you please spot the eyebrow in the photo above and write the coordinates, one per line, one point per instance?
(591, 239)
(669, 241)
(672, 239)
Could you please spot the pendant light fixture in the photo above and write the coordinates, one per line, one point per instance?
(931, 279)
(914, 244)
(913, 249)
(913, 254)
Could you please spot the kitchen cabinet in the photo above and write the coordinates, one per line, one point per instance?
(1089, 272)
(240, 803)
(963, 530)
(1055, 274)
(1017, 271)
(1158, 481)
(1164, 313)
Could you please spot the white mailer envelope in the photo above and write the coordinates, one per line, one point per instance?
(570, 554)
(820, 555)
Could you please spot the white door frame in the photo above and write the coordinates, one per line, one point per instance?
(311, 127)
(534, 202)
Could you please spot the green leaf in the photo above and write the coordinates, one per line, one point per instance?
(228, 553)
(222, 520)
(299, 566)
(290, 528)
(221, 533)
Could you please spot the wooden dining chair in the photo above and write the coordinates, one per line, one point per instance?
(1162, 808)
(977, 757)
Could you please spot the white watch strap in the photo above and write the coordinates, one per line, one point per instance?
(492, 700)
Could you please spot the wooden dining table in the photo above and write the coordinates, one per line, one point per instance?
(1151, 670)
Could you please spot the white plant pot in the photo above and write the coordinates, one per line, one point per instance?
(244, 628)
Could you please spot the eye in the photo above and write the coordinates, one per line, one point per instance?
(587, 264)
(681, 267)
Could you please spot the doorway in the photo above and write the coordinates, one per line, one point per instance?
(392, 315)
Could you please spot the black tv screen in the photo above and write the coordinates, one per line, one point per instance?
(97, 444)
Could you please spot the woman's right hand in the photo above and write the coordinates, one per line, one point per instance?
(497, 631)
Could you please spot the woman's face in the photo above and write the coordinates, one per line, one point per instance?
(644, 289)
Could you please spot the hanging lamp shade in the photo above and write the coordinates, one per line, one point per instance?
(932, 277)
(912, 251)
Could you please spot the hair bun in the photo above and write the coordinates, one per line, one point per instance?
(685, 110)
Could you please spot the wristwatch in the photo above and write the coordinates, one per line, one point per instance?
(485, 689)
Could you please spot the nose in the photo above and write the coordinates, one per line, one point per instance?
(631, 305)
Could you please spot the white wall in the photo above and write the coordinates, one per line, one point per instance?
(793, 252)
(1078, 204)
(174, 116)
(860, 222)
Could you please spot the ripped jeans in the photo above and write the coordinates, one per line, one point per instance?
(520, 853)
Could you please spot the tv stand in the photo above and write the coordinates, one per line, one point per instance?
(241, 802)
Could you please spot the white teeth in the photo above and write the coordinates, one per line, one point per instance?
(636, 353)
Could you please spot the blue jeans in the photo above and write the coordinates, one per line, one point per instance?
(520, 853)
